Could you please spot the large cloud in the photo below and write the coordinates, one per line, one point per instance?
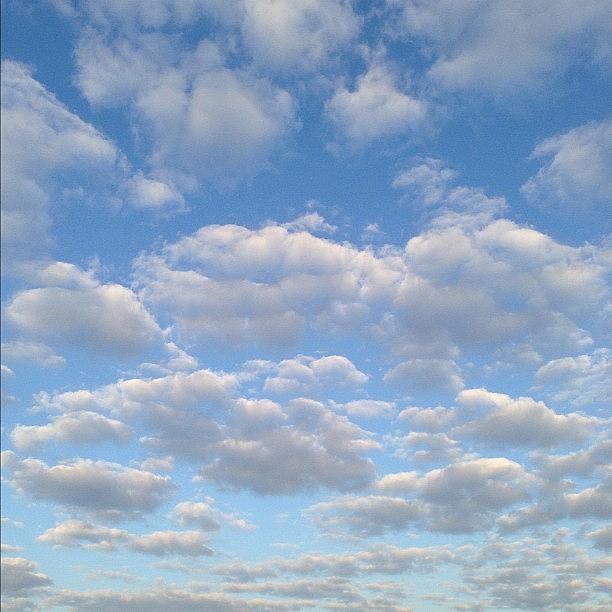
(42, 140)
(97, 487)
(204, 122)
(498, 46)
(378, 107)
(575, 168)
(485, 284)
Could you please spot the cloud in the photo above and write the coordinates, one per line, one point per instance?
(497, 47)
(428, 419)
(378, 107)
(290, 37)
(521, 422)
(368, 408)
(272, 460)
(584, 380)
(97, 487)
(31, 352)
(575, 168)
(305, 374)
(489, 284)
(42, 141)
(161, 543)
(73, 308)
(602, 538)
(428, 180)
(151, 194)
(75, 533)
(462, 497)
(74, 428)
(205, 123)
(366, 516)
(19, 577)
(426, 375)
(206, 517)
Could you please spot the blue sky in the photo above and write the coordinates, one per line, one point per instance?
(306, 305)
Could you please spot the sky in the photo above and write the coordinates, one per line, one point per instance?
(306, 305)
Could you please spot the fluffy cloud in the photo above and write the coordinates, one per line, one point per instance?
(377, 107)
(206, 517)
(98, 487)
(498, 47)
(426, 375)
(42, 141)
(74, 533)
(205, 122)
(73, 428)
(521, 422)
(585, 380)
(161, 543)
(486, 284)
(306, 374)
(366, 516)
(575, 167)
(73, 308)
(462, 497)
(297, 36)
(19, 577)
(272, 460)
(31, 352)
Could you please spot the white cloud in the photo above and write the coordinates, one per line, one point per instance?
(426, 376)
(19, 576)
(42, 140)
(521, 422)
(73, 308)
(151, 194)
(502, 47)
(368, 408)
(31, 352)
(73, 428)
(378, 107)
(291, 36)
(585, 380)
(161, 543)
(305, 374)
(73, 533)
(97, 487)
(366, 516)
(205, 122)
(575, 170)
(206, 517)
(271, 460)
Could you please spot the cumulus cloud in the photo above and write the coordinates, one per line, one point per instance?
(74, 428)
(305, 374)
(585, 380)
(497, 47)
(575, 168)
(74, 533)
(426, 375)
(454, 287)
(20, 577)
(206, 517)
(366, 516)
(297, 36)
(462, 497)
(273, 460)
(521, 422)
(71, 307)
(97, 487)
(206, 122)
(31, 352)
(378, 107)
(42, 140)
